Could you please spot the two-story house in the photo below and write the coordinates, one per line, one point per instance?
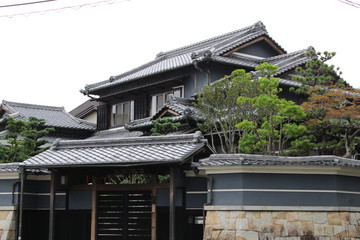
(121, 185)
(140, 93)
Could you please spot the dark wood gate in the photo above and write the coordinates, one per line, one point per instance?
(124, 215)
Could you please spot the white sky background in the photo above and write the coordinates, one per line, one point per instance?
(46, 59)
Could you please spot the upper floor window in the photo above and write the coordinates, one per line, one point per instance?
(122, 113)
(158, 100)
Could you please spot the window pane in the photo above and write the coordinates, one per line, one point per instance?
(160, 101)
(121, 113)
(177, 92)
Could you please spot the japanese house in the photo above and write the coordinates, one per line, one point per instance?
(120, 184)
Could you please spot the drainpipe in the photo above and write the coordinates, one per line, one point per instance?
(21, 203)
(210, 186)
(13, 193)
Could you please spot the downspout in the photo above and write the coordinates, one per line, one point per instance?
(21, 203)
(13, 193)
(210, 186)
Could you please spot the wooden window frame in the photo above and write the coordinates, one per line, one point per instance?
(118, 118)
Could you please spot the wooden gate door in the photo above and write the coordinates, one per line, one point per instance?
(124, 215)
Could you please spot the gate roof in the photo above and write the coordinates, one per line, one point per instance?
(120, 152)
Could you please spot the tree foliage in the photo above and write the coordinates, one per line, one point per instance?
(317, 72)
(332, 107)
(335, 113)
(24, 139)
(163, 126)
(246, 106)
(270, 122)
(219, 110)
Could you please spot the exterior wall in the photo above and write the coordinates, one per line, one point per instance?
(196, 193)
(261, 190)
(261, 49)
(7, 224)
(276, 225)
(91, 117)
(37, 194)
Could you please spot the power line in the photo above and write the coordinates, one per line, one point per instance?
(351, 3)
(77, 7)
(23, 4)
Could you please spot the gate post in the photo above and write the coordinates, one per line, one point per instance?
(172, 205)
(52, 205)
(93, 207)
(153, 207)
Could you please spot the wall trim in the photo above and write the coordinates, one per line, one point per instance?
(13, 175)
(36, 194)
(282, 208)
(285, 190)
(197, 192)
(39, 177)
(7, 208)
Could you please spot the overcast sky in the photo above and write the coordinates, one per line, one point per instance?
(47, 58)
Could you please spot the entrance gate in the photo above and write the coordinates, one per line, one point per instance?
(124, 215)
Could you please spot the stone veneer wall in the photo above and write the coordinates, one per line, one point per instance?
(277, 225)
(7, 225)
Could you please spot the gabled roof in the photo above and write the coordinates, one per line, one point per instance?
(54, 116)
(289, 61)
(120, 152)
(211, 49)
(85, 109)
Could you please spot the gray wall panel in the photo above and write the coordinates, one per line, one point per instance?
(80, 200)
(43, 201)
(6, 199)
(286, 181)
(195, 200)
(274, 199)
(196, 184)
(6, 185)
(254, 189)
(162, 197)
(34, 186)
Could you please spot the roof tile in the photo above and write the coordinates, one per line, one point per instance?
(53, 116)
(216, 160)
(135, 150)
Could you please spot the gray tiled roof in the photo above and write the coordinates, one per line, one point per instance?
(53, 116)
(266, 160)
(9, 167)
(210, 49)
(120, 152)
(85, 109)
(289, 61)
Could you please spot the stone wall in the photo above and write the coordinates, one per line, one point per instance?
(7, 225)
(267, 225)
